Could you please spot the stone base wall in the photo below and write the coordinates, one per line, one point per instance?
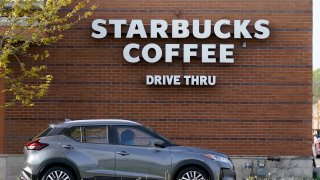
(286, 168)
(10, 166)
(3, 167)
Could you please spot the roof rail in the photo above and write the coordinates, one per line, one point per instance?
(67, 120)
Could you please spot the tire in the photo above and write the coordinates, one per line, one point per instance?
(190, 172)
(55, 172)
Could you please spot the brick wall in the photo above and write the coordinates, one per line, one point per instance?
(261, 104)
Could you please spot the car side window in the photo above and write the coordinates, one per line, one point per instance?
(89, 134)
(132, 136)
(95, 134)
(74, 133)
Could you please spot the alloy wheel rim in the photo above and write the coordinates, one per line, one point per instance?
(192, 175)
(58, 175)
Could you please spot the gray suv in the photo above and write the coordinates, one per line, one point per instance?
(117, 149)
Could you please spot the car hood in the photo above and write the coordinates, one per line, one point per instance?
(197, 150)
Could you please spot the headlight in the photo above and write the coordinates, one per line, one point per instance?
(217, 158)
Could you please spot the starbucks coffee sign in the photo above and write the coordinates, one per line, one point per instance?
(179, 29)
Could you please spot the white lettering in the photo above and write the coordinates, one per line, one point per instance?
(149, 80)
(136, 28)
(200, 80)
(117, 26)
(126, 53)
(158, 53)
(163, 80)
(187, 53)
(180, 29)
(206, 53)
(225, 51)
(218, 31)
(187, 80)
(241, 28)
(260, 28)
(101, 32)
(196, 29)
(170, 53)
(158, 26)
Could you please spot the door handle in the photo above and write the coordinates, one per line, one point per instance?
(68, 146)
(123, 153)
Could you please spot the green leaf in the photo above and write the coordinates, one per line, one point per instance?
(27, 25)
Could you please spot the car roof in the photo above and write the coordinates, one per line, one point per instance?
(96, 122)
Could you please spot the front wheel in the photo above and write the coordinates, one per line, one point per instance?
(57, 173)
(192, 173)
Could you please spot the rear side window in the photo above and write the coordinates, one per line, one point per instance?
(44, 133)
(74, 133)
(96, 134)
(89, 134)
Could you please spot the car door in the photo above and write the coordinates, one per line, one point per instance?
(137, 157)
(89, 148)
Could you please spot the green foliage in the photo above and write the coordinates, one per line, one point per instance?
(32, 23)
(316, 85)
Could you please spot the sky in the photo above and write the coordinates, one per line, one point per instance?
(316, 34)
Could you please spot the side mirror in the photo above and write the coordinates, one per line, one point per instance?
(158, 143)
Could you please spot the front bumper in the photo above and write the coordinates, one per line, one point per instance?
(227, 174)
